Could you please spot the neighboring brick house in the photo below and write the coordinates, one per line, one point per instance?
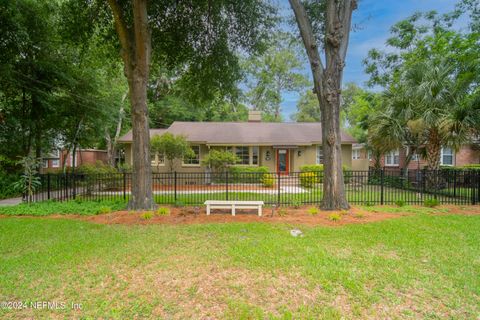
(467, 154)
(54, 160)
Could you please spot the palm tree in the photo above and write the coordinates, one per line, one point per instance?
(427, 106)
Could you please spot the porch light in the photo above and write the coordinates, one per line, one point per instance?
(267, 156)
(299, 153)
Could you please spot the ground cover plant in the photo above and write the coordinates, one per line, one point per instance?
(68, 207)
(424, 265)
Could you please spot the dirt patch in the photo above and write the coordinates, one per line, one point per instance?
(197, 215)
(456, 209)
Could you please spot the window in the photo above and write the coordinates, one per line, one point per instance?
(45, 163)
(446, 156)
(243, 154)
(195, 160)
(255, 155)
(319, 155)
(415, 157)
(369, 154)
(158, 159)
(392, 158)
(355, 154)
(55, 163)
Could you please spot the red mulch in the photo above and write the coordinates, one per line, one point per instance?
(187, 215)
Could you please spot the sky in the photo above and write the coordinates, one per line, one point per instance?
(374, 19)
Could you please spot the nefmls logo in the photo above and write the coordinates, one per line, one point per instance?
(50, 305)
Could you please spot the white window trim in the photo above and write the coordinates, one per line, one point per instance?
(250, 155)
(55, 163)
(319, 147)
(156, 163)
(442, 154)
(199, 158)
(355, 154)
(393, 153)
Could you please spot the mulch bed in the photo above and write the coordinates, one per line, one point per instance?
(188, 215)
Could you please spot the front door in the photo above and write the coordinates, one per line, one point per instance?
(282, 161)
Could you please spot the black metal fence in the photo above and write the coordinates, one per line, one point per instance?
(386, 186)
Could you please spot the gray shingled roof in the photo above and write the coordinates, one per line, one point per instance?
(259, 133)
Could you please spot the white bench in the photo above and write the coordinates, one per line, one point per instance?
(233, 205)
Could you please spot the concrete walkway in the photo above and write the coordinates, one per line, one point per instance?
(10, 202)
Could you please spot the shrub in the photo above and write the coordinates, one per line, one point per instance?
(313, 211)
(7, 189)
(268, 180)
(308, 179)
(282, 212)
(162, 211)
(247, 174)
(400, 203)
(431, 203)
(359, 215)
(219, 160)
(317, 168)
(294, 202)
(147, 215)
(104, 210)
(334, 217)
(98, 168)
(347, 174)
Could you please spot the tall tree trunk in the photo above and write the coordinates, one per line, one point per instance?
(136, 50)
(433, 149)
(112, 142)
(327, 87)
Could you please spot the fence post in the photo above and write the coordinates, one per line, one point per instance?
(454, 185)
(124, 185)
(175, 185)
(278, 189)
(226, 185)
(48, 186)
(74, 186)
(474, 176)
(478, 186)
(382, 182)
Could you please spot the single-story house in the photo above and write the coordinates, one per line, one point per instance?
(282, 147)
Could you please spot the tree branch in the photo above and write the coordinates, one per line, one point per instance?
(122, 30)
(311, 46)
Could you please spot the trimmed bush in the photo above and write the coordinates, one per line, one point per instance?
(247, 174)
(316, 168)
(313, 211)
(268, 180)
(147, 215)
(308, 179)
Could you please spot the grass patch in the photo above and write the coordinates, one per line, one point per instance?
(68, 207)
(256, 270)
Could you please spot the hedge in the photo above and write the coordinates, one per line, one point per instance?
(247, 174)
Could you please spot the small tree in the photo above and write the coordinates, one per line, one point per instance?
(29, 181)
(172, 147)
(219, 160)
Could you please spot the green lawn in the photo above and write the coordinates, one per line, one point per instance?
(420, 266)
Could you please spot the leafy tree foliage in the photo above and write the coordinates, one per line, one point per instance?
(278, 70)
(171, 147)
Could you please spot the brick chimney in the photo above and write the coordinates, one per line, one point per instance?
(254, 116)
